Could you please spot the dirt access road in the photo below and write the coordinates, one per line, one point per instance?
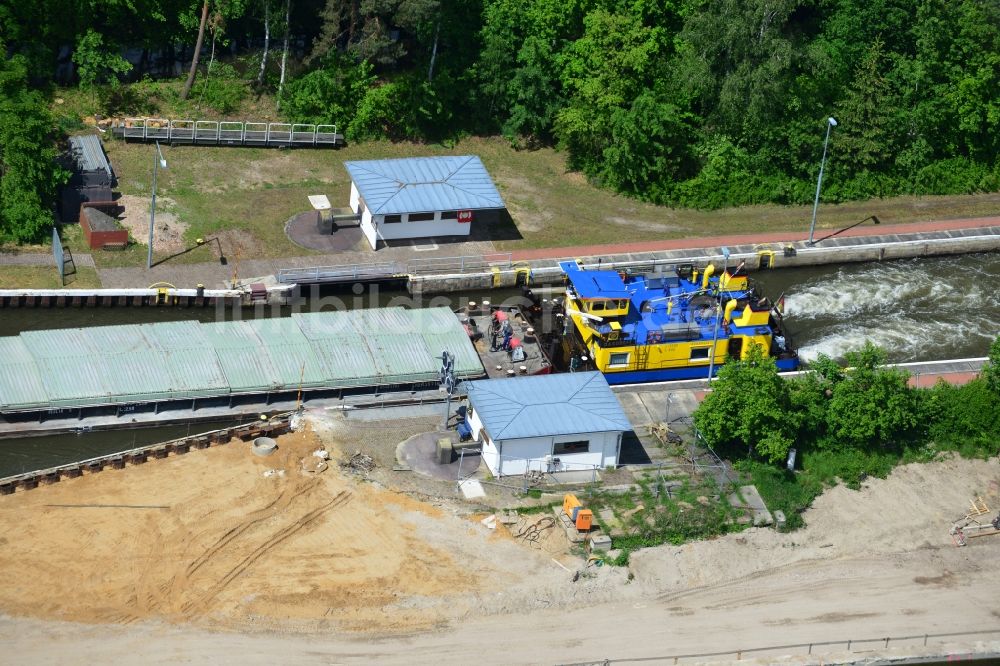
(827, 600)
(243, 568)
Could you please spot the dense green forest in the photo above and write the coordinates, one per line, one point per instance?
(683, 102)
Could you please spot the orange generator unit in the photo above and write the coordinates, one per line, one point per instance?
(582, 518)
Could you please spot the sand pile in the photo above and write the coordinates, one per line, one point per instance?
(217, 537)
(912, 509)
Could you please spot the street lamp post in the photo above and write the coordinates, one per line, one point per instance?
(718, 313)
(158, 160)
(830, 124)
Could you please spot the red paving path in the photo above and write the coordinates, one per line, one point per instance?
(751, 239)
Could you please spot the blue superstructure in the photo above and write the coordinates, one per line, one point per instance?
(670, 324)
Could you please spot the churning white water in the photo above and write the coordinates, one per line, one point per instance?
(914, 309)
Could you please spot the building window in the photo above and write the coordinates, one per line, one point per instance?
(699, 353)
(449, 215)
(562, 448)
(618, 359)
(392, 219)
(420, 217)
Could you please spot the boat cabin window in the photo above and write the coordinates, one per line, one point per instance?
(570, 447)
(618, 359)
(622, 304)
(597, 306)
(699, 353)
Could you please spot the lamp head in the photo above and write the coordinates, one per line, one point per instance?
(832, 121)
(163, 163)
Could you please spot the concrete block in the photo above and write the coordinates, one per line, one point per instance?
(445, 451)
(600, 543)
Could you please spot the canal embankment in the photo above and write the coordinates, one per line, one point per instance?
(756, 251)
(151, 297)
(262, 427)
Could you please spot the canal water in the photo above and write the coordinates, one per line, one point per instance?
(917, 309)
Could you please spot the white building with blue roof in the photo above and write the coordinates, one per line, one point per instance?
(420, 197)
(546, 423)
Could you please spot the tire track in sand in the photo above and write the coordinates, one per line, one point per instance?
(274, 540)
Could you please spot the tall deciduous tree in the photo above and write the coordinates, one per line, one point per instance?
(873, 406)
(197, 51)
(267, 43)
(604, 71)
(284, 50)
(748, 408)
(28, 172)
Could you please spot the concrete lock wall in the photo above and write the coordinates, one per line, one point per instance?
(852, 250)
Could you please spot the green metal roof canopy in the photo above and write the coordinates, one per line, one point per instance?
(153, 362)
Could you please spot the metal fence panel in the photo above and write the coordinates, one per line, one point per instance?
(59, 255)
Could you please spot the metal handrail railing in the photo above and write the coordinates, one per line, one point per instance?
(460, 264)
(229, 131)
(738, 653)
(334, 273)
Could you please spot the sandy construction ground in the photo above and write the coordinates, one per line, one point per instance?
(207, 538)
(148, 564)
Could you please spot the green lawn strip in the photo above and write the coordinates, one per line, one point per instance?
(252, 192)
(46, 277)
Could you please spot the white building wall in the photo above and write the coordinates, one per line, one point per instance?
(491, 456)
(516, 456)
(368, 228)
(435, 227)
(355, 197)
(475, 423)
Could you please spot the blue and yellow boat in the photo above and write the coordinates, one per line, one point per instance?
(676, 323)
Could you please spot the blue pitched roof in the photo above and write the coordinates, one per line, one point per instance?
(547, 405)
(598, 284)
(424, 184)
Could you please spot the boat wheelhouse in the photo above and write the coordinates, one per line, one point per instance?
(674, 323)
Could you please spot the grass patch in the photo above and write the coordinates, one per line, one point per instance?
(246, 195)
(541, 508)
(46, 277)
(650, 516)
(256, 190)
(794, 492)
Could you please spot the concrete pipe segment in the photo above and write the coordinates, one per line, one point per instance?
(264, 446)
